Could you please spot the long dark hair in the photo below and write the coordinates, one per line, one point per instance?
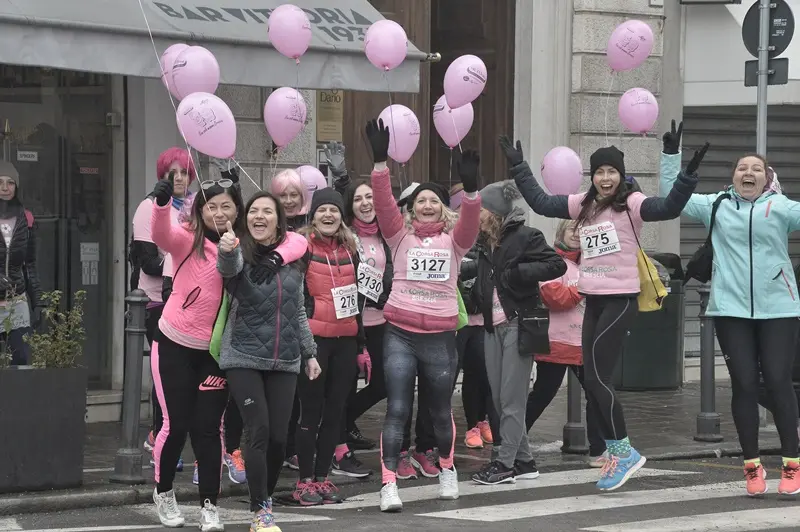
(198, 225)
(249, 245)
(349, 194)
(619, 201)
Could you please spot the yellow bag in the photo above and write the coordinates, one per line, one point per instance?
(651, 289)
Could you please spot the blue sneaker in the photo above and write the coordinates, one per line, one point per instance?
(618, 470)
(235, 464)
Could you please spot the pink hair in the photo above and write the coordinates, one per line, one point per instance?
(290, 179)
(172, 155)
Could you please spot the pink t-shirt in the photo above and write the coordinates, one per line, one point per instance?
(372, 253)
(475, 320)
(142, 231)
(498, 314)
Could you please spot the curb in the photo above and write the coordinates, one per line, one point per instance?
(707, 453)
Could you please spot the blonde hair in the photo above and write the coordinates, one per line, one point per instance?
(492, 233)
(449, 217)
(344, 235)
(561, 232)
(291, 179)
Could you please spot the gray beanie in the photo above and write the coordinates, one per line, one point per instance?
(8, 170)
(498, 198)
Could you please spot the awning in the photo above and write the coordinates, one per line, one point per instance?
(110, 36)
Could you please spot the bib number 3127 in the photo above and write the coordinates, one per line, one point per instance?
(598, 240)
(345, 301)
(428, 265)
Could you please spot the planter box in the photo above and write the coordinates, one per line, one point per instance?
(42, 415)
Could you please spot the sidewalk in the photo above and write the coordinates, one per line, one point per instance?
(661, 425)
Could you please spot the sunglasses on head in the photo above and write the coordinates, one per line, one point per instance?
(224, 183)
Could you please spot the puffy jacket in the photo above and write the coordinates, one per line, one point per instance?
(267, 327)
(752, 274)
(18, 260)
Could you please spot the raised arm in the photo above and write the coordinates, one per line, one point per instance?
(390, 220)
(172, 239)
(697, 206)
(144, 253)
(334, 153)
(468, 225)
(540, 201)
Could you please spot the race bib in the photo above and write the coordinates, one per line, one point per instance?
(598, 240)
(428, 265)
(345, 301)
(370, 281)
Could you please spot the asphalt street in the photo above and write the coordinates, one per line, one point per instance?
(669, 496)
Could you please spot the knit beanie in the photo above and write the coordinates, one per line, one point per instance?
(436, 188)
(402, 202)
(498, 198)
(610, 156)
(8, 170)
(326, 196)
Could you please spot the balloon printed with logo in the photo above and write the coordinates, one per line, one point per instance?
(386, 44)
(464, 80)
(168, 60)
(207, 124)
(195, 70)
(289, 31)
(404, 131)
(629, 46)
(284, 115)
(452, 124)
(312, 178)
(638, 110)
(562, 171)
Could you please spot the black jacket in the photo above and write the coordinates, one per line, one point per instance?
(18, 262)
(521, 259)
(468, 276)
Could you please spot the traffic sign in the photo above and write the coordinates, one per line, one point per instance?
(778, 72)
(781, 28)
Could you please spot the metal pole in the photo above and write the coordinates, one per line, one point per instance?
(708, 418)
(128, 462)
(574, 430)
(763, 76)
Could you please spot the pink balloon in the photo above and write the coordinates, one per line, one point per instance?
(195, 70)
(562, 171)
(464, 80)
(313, 179)
(289, 30)
(207, 124)
(638, 110)
(404, 131)
(284, 115)
(629, 45)
(452, 124)
(386, 44)
(168, 60)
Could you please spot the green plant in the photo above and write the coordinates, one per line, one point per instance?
(62, 345)
(8, 325)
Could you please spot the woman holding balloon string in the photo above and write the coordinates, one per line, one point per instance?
(610, 212)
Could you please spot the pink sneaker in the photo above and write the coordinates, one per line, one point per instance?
(405, 470)
(473, 439)
(426, 463)
(486, 432)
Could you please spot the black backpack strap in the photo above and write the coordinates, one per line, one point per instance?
(714, 215)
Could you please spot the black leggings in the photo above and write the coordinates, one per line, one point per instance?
(761, 347)
(605, 324)
(193, 393)
(435, 356)
(152, 315)
(374, 392)
(476, 394)
(233, 426)
(549, 377)
(322, 404)
(264, 399)
(294, 420)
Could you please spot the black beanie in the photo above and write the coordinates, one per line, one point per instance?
(610, 156)
(326, 196)
(436, 188)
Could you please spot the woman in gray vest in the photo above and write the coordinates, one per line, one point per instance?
(266, 341)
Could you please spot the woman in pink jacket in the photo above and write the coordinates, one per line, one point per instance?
(422, 310)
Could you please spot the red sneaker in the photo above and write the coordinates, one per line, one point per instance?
(756, 478)
(790, 479)
(426, 463)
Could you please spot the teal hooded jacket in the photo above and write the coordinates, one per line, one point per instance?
(752, 276)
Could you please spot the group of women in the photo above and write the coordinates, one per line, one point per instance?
(282, 302)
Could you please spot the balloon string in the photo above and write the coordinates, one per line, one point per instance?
(175, 108)
(391, 115)
(608, 101)
(456, 131)
(450, 173)
(245, 172)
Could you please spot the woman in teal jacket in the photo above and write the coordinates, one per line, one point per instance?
(754, 301)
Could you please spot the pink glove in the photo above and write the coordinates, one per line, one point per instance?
(365, 364)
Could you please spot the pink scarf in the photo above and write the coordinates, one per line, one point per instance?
(364, 228)
(425, 230)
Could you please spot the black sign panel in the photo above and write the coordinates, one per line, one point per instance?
(778, 72)
(781, 28)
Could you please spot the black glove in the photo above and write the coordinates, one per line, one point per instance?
(513, 155)
(694, 164)
(378, 136)
(162, 192)
(266, 269)
(672, 139)
(468, 170)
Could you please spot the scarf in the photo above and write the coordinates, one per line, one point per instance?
(364, 228)
(177, 202)
(212, 235)
(426, 230)
(567, 252)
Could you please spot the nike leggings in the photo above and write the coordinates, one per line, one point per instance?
(193, 393)
(753, 348)
(605, 323)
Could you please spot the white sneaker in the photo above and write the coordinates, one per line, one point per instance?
(599, 461)
(209, 518)
(448, 484)
(390, 498)
(167, 507)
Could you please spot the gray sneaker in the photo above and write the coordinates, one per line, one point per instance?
(167, 508)
(209, 518)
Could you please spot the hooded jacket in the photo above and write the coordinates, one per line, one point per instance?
(18, 259)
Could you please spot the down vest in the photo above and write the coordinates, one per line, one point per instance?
(267, 328)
